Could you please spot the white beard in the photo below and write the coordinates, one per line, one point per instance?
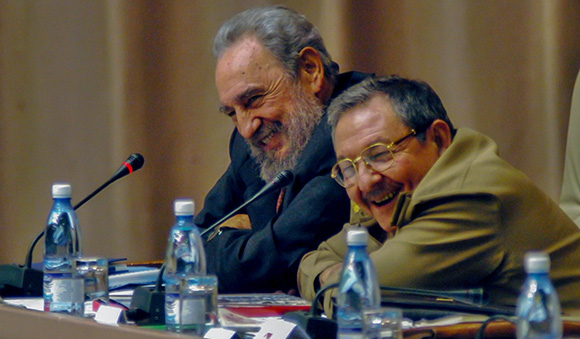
(305, 115)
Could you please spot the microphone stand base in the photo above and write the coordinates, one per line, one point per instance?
(20, 281)
(316, 327)
(147, 306)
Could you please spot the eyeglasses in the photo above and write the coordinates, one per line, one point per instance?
(378, 157)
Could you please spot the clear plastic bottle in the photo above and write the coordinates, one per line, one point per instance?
(359, 287)
(538, 307)
(184, 263)
(62, 291)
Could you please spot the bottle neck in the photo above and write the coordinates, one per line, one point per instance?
(539, 274)
(64, 202)
(184, 218)
(541, 278)
(358, 247)
(357, 252)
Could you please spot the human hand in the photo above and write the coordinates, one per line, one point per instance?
(238, 221)
(329, 272)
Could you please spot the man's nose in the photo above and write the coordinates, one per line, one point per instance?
(247, 124)
(367, 177)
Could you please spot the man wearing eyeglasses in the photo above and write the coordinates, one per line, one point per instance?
(448, 212)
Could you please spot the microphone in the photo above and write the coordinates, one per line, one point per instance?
(282, 179)
(133, 163)
(147, 303)
(18, 280)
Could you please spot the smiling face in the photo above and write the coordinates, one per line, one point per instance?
(372, 122)
(273, 112)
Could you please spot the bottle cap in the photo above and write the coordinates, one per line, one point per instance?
(357, 237)
(537, 262)
(61, 190)
(184, 206)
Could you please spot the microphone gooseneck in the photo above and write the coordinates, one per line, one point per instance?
(281, 180)
(132, 164)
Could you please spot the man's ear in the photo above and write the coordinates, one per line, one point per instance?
(311, 70)
(441, 134)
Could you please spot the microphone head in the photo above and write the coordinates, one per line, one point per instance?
(283, 179)
(133, 163)
(136, 161)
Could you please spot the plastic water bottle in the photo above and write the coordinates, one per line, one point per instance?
(184, 262)
(538, 308)
(359, 287)
(62, 291)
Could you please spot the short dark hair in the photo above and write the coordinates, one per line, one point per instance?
(414, 101)
(282, 31)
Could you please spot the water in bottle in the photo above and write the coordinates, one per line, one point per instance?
(185, 266)
(359, 287)
(62, 290)
(538, 307)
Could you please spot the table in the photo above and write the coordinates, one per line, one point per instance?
(494, 330)
(17, 322)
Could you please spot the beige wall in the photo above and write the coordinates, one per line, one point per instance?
(83, 84)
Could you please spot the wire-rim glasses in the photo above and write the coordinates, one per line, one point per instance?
(378, 157)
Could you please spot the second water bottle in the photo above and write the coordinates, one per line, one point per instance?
(359, 287)
(538, 307)
(187, 301)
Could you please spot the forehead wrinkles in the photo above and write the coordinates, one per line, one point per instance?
(365, 124)
(353, 131)
(247, 58)
(247, 66)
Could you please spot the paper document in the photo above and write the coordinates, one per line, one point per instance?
(135, 276)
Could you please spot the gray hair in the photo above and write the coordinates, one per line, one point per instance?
(414, 102)
(283, 31)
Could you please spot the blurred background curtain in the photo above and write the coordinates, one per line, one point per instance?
(83, 84)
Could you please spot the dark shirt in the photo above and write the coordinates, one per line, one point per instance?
(315, 207)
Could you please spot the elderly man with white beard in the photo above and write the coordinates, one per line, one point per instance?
(274, 78)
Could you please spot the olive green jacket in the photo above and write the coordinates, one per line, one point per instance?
(468, 224)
